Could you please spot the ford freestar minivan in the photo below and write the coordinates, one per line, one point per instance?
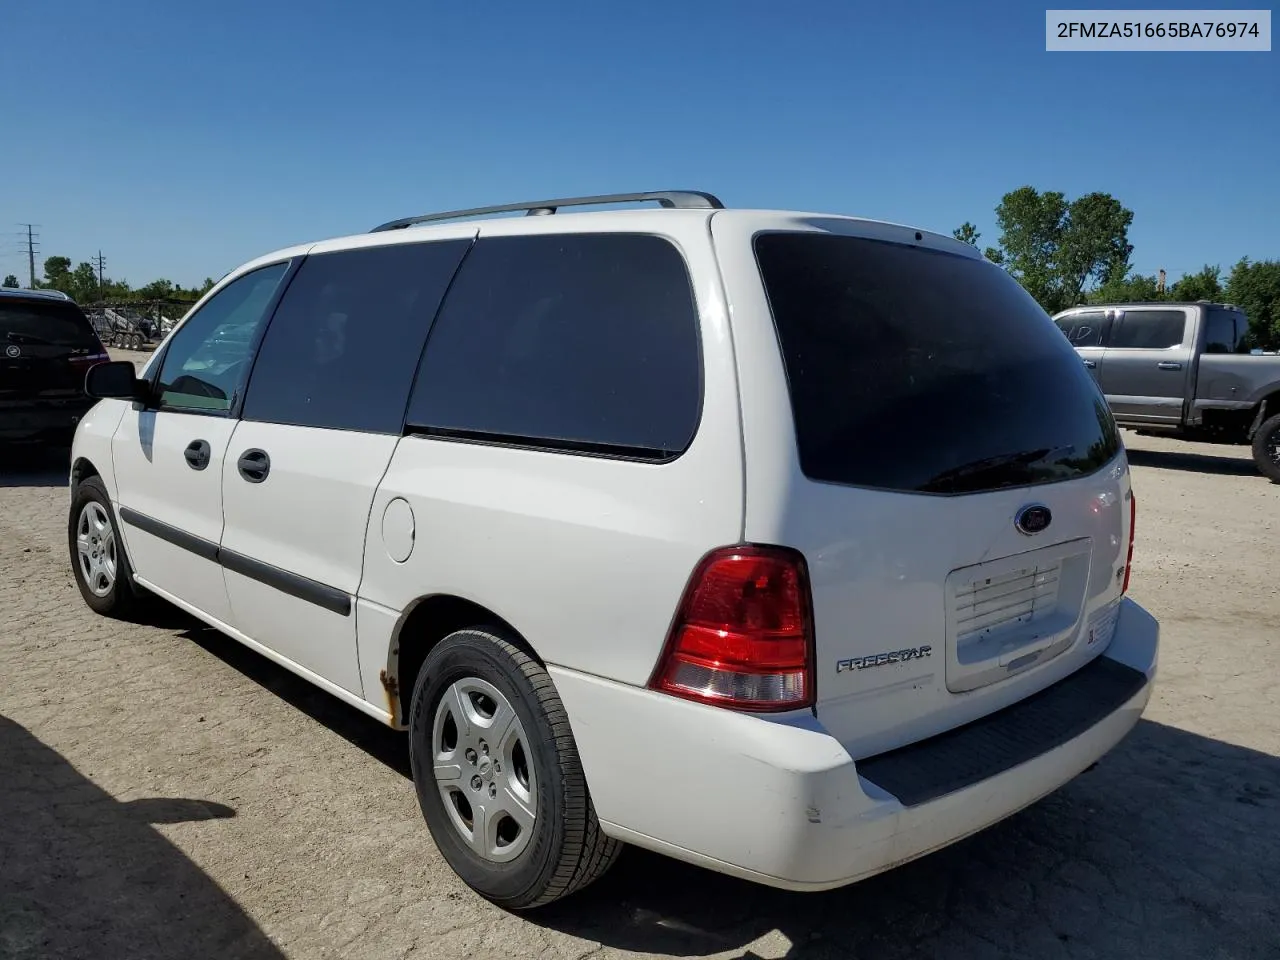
(788, 544)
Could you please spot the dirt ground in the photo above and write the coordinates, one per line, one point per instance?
(165, 793)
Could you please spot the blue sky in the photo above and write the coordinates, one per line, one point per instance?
(183, 139)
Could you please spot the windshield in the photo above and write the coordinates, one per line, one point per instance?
(34, 322)
(928, 372)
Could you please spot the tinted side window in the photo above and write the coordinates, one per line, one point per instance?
(207, 359)
(1083, 329)
(343, 344)
(1149, 329)
(1223, 333)
(582, 342)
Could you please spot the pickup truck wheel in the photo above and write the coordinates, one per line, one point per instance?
(1266, 448)
(498, 776)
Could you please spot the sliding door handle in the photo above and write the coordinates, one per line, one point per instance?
(254, 465)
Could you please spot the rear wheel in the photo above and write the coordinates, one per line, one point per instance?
(1266, 448)
(498, 775)
(135, 341)
(101, 568)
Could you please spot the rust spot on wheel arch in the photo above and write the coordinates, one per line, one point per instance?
(391, 690)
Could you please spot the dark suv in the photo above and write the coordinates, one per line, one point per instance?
(46, 347)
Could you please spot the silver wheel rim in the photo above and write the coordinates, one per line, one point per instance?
(484, 770)
(96, 549)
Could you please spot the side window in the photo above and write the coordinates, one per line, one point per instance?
(206, 362)
(1083, 329)
(1223, 334)
(587, 343)
(1149, 329)
(344, 343)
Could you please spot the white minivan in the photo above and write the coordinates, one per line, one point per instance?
(788, 544)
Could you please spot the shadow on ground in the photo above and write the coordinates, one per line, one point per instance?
(85, 875)
(34, 465)
(1241, 466)
(1168, 848)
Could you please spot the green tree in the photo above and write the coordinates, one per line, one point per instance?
(1135, 288)
(966, 233)
(57, 274)
(11, 281)
(1206, 284)
(1060, 250)
(84, 284)
(1255, 288)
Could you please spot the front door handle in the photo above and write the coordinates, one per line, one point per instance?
(1091, 364)
(197, 454)
(254, 465)
(1169, 365)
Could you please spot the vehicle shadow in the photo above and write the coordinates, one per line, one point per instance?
(1193, 462)
(85, 875)
(1167, 848)
(34, 466)
(378, 740)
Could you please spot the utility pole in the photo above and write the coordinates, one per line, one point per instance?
(100, 261)
(31, 253)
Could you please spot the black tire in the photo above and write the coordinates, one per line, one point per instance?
(1266, 448)
(121, 600)
(566, 850)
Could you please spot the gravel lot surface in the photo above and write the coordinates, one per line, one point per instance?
(165, 793)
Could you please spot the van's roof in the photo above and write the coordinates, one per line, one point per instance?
(643, 220)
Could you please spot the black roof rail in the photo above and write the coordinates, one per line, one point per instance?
(672, 199)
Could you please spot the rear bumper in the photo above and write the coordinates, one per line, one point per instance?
(31, 421)
(780, 801)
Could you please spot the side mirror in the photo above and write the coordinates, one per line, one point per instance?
(115, 380)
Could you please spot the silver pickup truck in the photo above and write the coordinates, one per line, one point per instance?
(1180, 368)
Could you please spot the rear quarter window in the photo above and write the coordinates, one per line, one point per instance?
(583, 343)
(922, 371)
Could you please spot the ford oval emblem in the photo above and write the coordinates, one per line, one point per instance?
(1032, 519)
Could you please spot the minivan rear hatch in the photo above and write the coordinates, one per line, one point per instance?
(962, 498)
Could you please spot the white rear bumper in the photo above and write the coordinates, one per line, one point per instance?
(780, 801)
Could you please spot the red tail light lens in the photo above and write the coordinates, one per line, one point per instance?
(743, 636)
(1133, 522)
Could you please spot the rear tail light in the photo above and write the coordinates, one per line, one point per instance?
(1133, 522)
(743, 636)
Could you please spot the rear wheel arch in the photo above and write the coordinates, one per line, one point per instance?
(422, 626)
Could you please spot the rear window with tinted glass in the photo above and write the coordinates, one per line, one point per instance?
(922, 371)
(44, 323)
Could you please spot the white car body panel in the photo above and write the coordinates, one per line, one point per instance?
(533, 535)
(153, 479)
(308, 517)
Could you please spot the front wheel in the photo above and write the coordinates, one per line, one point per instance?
(1266, 448)
(98, 559)
(498, 776)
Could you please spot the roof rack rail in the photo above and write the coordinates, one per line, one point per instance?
(673, 199)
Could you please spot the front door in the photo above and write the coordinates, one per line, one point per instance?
(323, 413)
(168, 452)
(1086, 331)
(1147, 363)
